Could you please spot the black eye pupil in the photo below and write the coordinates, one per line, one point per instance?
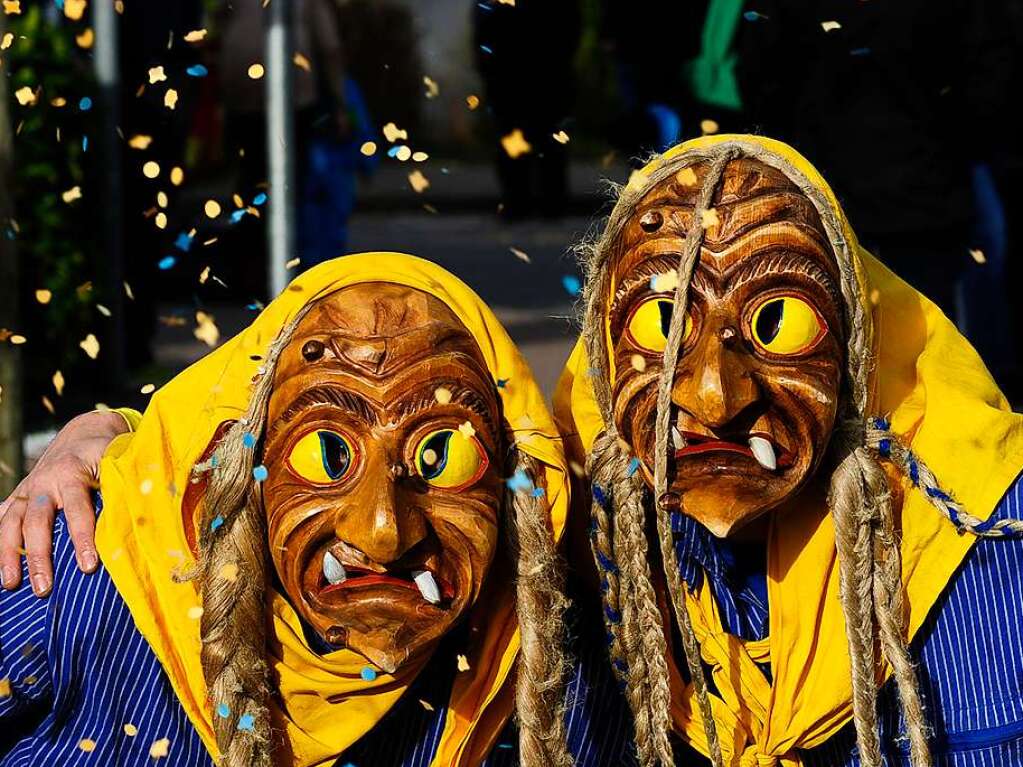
(438, 445)
(666, 310)
(336, 456)
(769, 320)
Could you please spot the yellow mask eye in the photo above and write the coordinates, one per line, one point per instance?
(786, 325)
(448, 459)
(322, 457)
(649, 323)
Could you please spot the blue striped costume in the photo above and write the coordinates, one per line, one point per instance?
(79, 670)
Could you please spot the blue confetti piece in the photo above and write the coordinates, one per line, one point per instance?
(217, 522)
(860, 52)
(167, 262)
(213, 462)
(368, 674)
(85, 104)
(486, 49)
(59, 4)
(393, 151)
(183, 242)
(537, 492)
(259, 199)
(519, 482)
(502, 382)
(505, 745)
(197, 70)
(249, 439)
(245, 722)
(255, 306)
(85, 143)
(237, 215)
(753, 16)
(223, 711)
(633, 466)
(259, 473)
(572, 284)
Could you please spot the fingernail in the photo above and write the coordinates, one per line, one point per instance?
(89, 560)
(9, 576)
(40, 585)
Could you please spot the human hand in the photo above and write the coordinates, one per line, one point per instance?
(62, 479)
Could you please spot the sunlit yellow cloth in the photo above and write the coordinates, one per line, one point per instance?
(326, 705)
(942, 403)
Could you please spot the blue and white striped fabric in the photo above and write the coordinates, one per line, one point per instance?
(970, 664)
(80, 671)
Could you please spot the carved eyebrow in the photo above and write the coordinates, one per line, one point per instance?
(784, 261)
(641, 276)
(325, 395)
(425, 398)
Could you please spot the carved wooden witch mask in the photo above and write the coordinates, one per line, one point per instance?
(382, 495)
(757, 383)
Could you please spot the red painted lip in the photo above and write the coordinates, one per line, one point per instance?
(699, 443)
(359, 577)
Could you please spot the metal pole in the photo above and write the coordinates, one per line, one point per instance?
(280, 150)
(105, 61)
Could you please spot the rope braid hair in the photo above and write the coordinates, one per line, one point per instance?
(540, 605)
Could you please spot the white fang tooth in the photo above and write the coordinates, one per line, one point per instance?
(676, 438)
(333, 570)
(763, 451)
(427, 585)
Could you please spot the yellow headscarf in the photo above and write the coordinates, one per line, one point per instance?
(324, 703)
(942, 403)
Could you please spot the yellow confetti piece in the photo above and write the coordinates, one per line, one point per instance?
(369, 148)
(978, 256)
(17, 339)
(103, 310)
(90, 346)
(229, 572)
(302, 62)
(156, 75)
(127, 292)
(7, 40)
(87, 745)
(58, 101)
(5, 688)
(119, 6)
(521, 255)
(72, 194)
(425, 705)
(829, 26)
(195, 36)
(561, 137)
(472, 102)
(467, 431)
(256, 71)
(58, 383)
(146, 486)
(43, 296)
(30, 679)
(74, 9)
(686, 177)
(442, 395)
(418, 181)
(392, 133)
(161, 199)
(151, 169)
(170, 98)
(211, 208)
(26, 96)
(515, 144)
(204, 275)
(49, 405)
(237, 200)
(140, 141)
(710, 219)
(665, 282)
(875, 297)
(507, 2)
(576, 468)
(177, 176)
(708, 126)
(293, 263)
(420, 157)
(131, 730)
(638, 362)
(206, 329)
(147, 389)
(463, 663)
(12, 7)
(432, 89)
(86, 38)
(403, 153)
(161, 220)
(195, 613)
(159, 748)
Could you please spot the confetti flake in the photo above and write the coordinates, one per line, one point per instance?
(425, 705)
(521, 255)
(195, 613)
(368, 674)
(302, 62)
(206, 329)
(638, 362)
(195, 36)
(256, 71)
(26, 96)
(151, 169)
(666, 282)
(197, 70)
(292, 263)
(146, 486)
(229, 572)
(161, 199)
(260, 473)
(140, 141)
(12, 7)
(463, 663)
(17, 339)
(170, 98)
(88, 745)
(103, 310)
(472, 102)
(561, 137)
(829, 26)
(211, 208)
(392, 133)
(177, 176)
(420, 157)
(58, 383)
(402, 152)
(708, 127)
(369, 148)
(432, 89)
(7, 40)
(515, 144)
(418, 181)
(86, 38)
(5, 688)
(710, 219)
(43, 296)
(442, 395)
(223, 711)
(467, 431)
(429, 457)
(49, 406)
(686, 177)
(90, 346)
(74, 9)
(161, 223)
(156, 75)
(131, 730)
(147, 389)
(978, 256)
(572, 284)
(160, 748)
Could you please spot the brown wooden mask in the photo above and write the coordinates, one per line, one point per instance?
(757, 383)
(382, 495)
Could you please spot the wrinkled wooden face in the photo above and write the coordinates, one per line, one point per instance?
(382, 495)
(757, 383)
